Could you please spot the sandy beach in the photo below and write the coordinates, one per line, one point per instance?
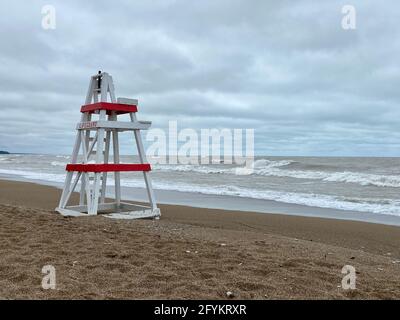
(191, 253)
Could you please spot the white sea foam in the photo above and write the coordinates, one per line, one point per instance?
(190, 168)
(363, 179)
(213, 169)
(264, 163)
(270, 168)
(30, 175)
(58, 163)
(5, 158)
(381, 206)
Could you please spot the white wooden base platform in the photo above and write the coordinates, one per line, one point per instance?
(122, 211)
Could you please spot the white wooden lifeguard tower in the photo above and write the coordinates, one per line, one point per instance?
(96, 132)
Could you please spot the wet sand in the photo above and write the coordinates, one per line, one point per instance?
(191, 253)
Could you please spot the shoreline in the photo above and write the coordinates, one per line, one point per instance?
(230, 203)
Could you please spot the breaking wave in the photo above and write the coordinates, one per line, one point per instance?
(52, 177)
(271, 168)
(381, 206)
(58, 163)
(363, 179)
(212, 169)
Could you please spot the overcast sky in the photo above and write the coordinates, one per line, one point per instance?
(285, 68)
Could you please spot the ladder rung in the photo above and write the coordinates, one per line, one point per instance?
(92, 178)
(92, 188)
(92, 139)
(95, 152)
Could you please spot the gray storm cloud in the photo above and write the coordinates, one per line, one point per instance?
(287, 69)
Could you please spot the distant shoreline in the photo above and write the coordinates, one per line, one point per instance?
(25, 153)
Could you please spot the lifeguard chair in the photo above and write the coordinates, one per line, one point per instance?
(96, 132)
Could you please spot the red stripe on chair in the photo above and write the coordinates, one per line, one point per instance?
(108, 167)
(119, 108)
